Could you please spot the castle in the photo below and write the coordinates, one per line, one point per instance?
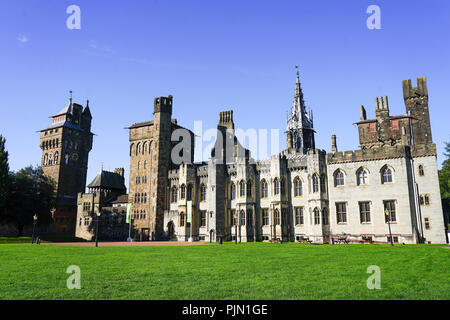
(389, 186)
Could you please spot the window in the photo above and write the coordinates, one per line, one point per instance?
(183, 191)
(421, 200)
(56, 158)
(339, 178)
(265, 217)
(264, 189)
(298, 187)
(325, 216)
(389, 211)
(145, 164)
(395, 239)
(189, 192)
(242, 218)
(322, 184)
(276, 186)
(362, 177)
(86, 206)
(232, 191)
(242, 189)
(86, 221)
(277, 217)
(315, 183)
(424, 199)
(427, 199)
(427, 224)
(387, 175)
(341, 212)
(316, 216)
(421, 171)
(173, 194)
(299, 219)
(364, 212)
(202, 218)
(182, 219)
(249, 188)
(202, 192)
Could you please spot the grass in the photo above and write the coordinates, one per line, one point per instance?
(228, 271)
(44, 239)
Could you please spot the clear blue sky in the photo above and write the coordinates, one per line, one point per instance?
(212, 56)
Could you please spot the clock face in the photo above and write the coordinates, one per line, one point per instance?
(74, 156)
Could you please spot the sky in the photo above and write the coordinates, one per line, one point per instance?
(214, 56)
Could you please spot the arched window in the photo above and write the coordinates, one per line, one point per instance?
(173, 194)
(316, 216)
(138, 148)
(386, 175)
(264, 189)
(183, 191)
(249, 188)
(202, 192)
(232, 191)
(131, 148)
(50, 159)
(242, 218)
(339, 178)
(145, 164)
(242, 188)
(421, 171)
(189, 192)
(45, 159)
(144, 148)
(56, 158)
(298, 187)
(276, 186)
(325, 216)
(277, 217)
(362, 177)
(182, 219)
(315, 181)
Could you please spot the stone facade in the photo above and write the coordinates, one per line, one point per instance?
(65, 148)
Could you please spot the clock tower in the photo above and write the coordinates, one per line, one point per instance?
(65, 148)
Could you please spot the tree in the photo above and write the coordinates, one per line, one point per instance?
(4, 178)
(31, 193)
(444, 177)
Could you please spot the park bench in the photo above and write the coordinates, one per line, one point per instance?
(304, 239)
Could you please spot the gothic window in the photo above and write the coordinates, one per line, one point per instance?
(338, 178)
(45, 159)
(189, 192)
(56, 157)
(242, 218)
(364, 212)
(421, 171)
(173, 197)
(299, 218)
(315, 183)
(138, 148)
(264, 189)
(276, 186)
(131, 149)
(316, 216)
(249, 188)
(183, 191)
(50, 159)
(325, 216)
(232, 191)
(242, 188)
(386, 175)
(362, 177)
(144, 149)
(202, 192)
(182, 219)
(298, 187)
(341, 212)
(389, 211)
(277, 217)
(265, 217)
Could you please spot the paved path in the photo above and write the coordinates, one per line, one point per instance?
(129, 244)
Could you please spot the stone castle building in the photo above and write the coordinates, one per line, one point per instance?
(300, 193)
(65, 148)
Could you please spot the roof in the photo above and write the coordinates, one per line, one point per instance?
(66, 124)
(108, 180)
(390, 118)
(121, 199)
(150, 123)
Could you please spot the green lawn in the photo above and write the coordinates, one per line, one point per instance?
(44, 239)
(228, 271)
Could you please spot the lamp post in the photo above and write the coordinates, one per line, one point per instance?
(34, 226)
(388, 218)
(96, 228)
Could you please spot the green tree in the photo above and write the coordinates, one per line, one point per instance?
(31, 193)
(444, 175)
(4, 178)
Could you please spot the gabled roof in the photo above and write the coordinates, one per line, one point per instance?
(108, 180)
